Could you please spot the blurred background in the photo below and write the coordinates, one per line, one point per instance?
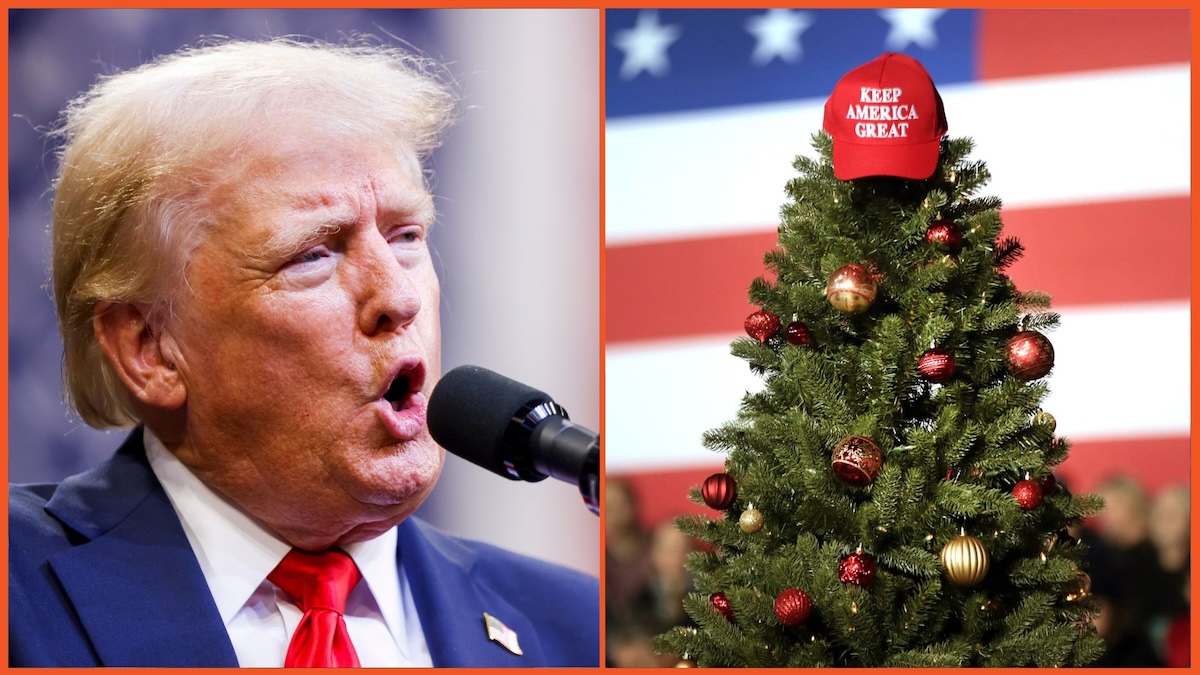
(1083, 118)
(516, 244)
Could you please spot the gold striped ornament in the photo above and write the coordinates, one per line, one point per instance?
(965, 560)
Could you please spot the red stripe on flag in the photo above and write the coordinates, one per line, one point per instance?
(1116, 252)
(1045, 42)
(1092, 253)
(681, 287)
(1154, 463)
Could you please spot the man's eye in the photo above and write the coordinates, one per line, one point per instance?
(311, 255)
(408, 235)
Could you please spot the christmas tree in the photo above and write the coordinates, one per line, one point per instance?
(888, 496)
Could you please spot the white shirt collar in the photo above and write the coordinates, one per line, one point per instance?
(236, 553)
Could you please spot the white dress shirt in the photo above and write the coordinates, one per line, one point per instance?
(236, 554)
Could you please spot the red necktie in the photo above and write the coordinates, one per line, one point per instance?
(319, 583)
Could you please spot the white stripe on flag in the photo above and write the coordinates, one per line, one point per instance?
(1111, 135)
(1120, 371)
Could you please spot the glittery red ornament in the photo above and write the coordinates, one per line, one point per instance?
(792, 606)
(945, 234)
(1028, 494)
(797, 333)
(856, 460)
(936, 365)
(851, 289)
(1029, 355)
(719, 490)
(762, 325)
(1049, 484)
(721, 604)
(858, 569)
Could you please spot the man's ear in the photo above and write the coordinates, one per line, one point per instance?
(145, 361)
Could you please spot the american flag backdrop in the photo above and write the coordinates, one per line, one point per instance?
(1083, 118)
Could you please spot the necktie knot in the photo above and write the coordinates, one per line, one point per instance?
(319, 583)
(317, 580)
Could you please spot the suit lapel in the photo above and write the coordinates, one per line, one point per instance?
(135, 585)
(451, 604)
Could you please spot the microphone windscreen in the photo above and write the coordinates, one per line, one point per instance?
(470, 410)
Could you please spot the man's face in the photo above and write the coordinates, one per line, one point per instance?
(310, 341)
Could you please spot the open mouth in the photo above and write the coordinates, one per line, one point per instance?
(397, 394)
(402, 389)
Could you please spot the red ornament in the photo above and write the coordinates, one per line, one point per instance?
(945, 234)
(858, 569)
(1049, 484)
(719, 490)
(856, 460)
(721, 604)
(792, 606)
(851, 289)
(762, 325)
(1028, 494)
(797, 333)
(937, 365)
(1029, 355)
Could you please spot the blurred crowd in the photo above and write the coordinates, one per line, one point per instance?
(1139, 559)
(1138, 562)
(645, 581)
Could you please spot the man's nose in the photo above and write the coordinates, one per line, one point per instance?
(390, 295)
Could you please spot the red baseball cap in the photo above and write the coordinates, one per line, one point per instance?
(886, 119)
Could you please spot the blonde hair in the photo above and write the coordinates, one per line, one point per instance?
(142, 150)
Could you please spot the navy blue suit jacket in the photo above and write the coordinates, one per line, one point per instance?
(102, 574)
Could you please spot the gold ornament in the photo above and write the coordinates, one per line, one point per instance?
(1043, 418)
(751, 520)
(1085, 587)
(686, 663)
(851, 289)
(965, 560)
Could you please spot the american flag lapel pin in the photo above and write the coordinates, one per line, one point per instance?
(498, 632)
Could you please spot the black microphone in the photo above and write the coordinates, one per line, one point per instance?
(513, 430)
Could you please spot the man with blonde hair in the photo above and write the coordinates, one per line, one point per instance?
(241, 273)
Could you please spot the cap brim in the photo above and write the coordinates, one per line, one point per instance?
(916, 161)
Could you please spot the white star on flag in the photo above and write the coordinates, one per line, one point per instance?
(778, 32)
(645, 46)
(911, 26)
